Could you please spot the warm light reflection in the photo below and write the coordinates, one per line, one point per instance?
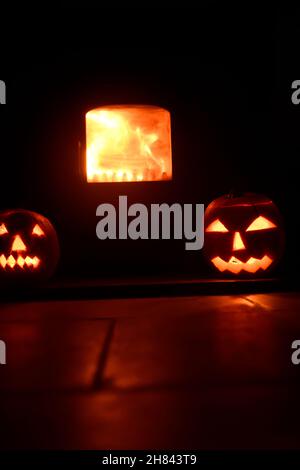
(235, 265)
(128, 143)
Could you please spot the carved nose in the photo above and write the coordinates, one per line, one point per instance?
(238, 243)
(18, 244)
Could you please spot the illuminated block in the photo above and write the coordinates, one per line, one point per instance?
(128, 143)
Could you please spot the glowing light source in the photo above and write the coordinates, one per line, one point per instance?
(128, 143)
(18, 244)
(37, 231)
(29, 248)
(3, 229)
(261, 223)
(235, 265)
(11, 261)
(254, 241)
(238, 243)
(216, 226)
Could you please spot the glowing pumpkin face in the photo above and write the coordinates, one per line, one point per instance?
(243, 235)
(29, 247)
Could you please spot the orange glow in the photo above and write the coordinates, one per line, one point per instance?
(20, 261)
(18, 244)
(216, 226)
(3, 229)
(37, 231)
(32, 261)
(11, 261)
(261, 223)
(238, 242)
(128, 143)
(234, 265)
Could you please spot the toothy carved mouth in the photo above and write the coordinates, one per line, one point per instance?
(235, 265)
(11, 261)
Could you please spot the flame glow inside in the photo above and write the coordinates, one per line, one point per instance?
(128, 143)
(20, 261)
(235, 265)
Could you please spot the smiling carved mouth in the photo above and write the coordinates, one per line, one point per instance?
(11, 261)
(235, 265)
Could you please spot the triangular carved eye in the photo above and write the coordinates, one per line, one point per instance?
(216, 226)
(261, 223)
(38, 231)
(3, 229)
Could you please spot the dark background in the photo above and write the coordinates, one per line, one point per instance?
(225, 75)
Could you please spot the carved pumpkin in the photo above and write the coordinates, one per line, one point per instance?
(243, 234)
(29, 249)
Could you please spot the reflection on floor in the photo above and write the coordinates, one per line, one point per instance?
(206, 372)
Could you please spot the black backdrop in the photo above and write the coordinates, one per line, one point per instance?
(224, 75)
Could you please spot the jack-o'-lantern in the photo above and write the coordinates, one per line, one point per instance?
(244, 234)
(29, 248)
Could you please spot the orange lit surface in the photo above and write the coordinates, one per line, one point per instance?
(128, 143)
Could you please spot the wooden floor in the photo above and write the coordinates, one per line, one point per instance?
(199, 372)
